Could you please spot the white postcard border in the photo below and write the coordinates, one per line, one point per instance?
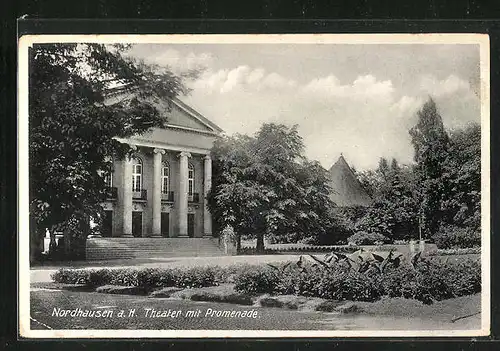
(27, 41)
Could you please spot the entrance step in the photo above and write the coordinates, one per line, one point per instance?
(123, 248)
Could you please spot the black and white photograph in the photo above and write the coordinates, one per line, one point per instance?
(292, 185)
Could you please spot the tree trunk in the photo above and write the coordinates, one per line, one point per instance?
(52, 244)
(75, 239)
(238, 243)
(260, 242)
(37, 234)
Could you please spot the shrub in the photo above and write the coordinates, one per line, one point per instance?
(151, 278)
(451, 237)
(256, 280)
(289, 238)
(431, 283)
(197, 277)
(124, 277)
(348, 285)
(310, 240)
(305, 283)
(430, 280)
(148, 278)
(365, 238)
(100, 277)
(464, 278)
(70, 276)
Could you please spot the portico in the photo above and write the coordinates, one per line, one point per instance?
(160, 190)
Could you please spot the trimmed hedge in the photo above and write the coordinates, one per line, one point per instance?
(148, 278)
(254, 280)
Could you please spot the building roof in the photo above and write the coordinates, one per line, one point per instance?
(346, 190)
(178, 113)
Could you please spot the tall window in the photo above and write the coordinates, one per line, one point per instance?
(137, 174)
(191, 179)
(165, 178)
(108, 180)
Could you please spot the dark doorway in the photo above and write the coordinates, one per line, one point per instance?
(107, 224)
(165, 224)
(191, 225)
(137, 224)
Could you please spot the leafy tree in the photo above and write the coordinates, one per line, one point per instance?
(441, 189)
(462, 171)
(393, 212)
(431, 143)
(264, 186)
(369, 181)
(72, 127)
(383, 168)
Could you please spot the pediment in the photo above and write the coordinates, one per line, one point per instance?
(181, 115)
(177, 113)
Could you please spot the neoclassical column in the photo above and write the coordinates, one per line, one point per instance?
(207, 216)
(183, 193)
(157, 158)
(127, 197)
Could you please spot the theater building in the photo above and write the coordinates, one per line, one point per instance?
(161, 191)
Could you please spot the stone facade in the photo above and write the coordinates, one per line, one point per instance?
(161, 191)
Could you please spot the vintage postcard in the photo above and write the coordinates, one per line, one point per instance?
(175, 186)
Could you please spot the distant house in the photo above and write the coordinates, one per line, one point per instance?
(346, 190)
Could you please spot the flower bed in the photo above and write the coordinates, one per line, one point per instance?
(428, 281)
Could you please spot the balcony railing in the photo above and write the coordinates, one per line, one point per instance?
(140, 194)
(194, 197)
(111, 193)
(167, 196)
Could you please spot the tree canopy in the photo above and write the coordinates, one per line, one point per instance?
(263, 185)
(442, 187)
(72, 126)
(431, 143)
(394, 211)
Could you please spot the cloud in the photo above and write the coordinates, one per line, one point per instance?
(364, 88)
(363, 118)
(242, 78)
(457, 100)
(179, 63)
(452, 84)
(362, 105)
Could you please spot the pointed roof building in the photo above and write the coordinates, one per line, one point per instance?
(346, 190)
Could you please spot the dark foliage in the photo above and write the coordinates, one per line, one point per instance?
(453, 237)
(425, 280)
(364, 238)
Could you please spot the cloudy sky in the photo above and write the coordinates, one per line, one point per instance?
(356, 99)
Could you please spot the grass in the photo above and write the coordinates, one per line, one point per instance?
(43, 303)
(388, 314)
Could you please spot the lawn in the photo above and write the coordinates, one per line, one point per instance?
(386, 314)
(44, 302)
